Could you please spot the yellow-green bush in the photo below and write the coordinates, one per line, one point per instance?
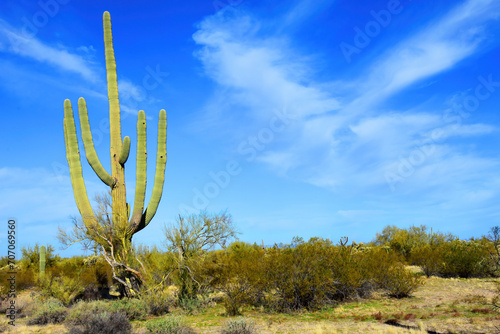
(466, 258)
(70, 279)
(25, 279)
(405, 241)
(429, 258)
(237, 272)
(298, 275)
(48, 311)
(400, 282)
(350, 268)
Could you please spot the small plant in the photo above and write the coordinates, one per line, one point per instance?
(239, 326)
(104, 323)
(51, 311)
(168, 325)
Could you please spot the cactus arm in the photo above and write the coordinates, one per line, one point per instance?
(42, 261)
(125, 150)
(75, 166)
(141, 168)
(89, 145)
(161, 161)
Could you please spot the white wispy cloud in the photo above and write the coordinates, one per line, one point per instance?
(349, 140)
(260, 72)
(16, 42)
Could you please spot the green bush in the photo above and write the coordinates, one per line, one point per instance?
(63, 288)
(298, 275)
(69, 279)
(80, 312)
(168, 325)
(466, 259)
(50, 311)
(400, 282)
(134, 309)
(156, 302)
(237, 272)
(350, 272)
(103, 323)
(191, 306)
(405, 241)
(429, 258)
(25, 279)
(160, 265)
(238, 326)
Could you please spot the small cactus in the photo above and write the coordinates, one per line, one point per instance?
(42, 261)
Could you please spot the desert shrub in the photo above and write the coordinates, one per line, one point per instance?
(133, 308)
(160, 265)
(350, 272)
(191, 306)
(465, 259)
(236, 272)
(238, 326)
(63, 288)
(103, 323)
(24, 305)
(48, 311)
(156, 302)
(82, 311)
(429, 258)
(168, 325)
(31, 256)
(76, 278)
(25, 279)
(298, 275)
(399, 281)
(405, 241)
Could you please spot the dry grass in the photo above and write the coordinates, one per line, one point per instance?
(441, 305)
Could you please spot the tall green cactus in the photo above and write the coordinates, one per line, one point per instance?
(42, 260)
(141, 215)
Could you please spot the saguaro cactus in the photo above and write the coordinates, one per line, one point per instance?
(141, 215)
(42, 261)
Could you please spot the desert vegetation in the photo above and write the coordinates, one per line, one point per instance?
(405, 279)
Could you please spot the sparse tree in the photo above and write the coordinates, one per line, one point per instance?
(107, 236)
(189, 238)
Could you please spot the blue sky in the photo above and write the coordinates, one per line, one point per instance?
(300, 117)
